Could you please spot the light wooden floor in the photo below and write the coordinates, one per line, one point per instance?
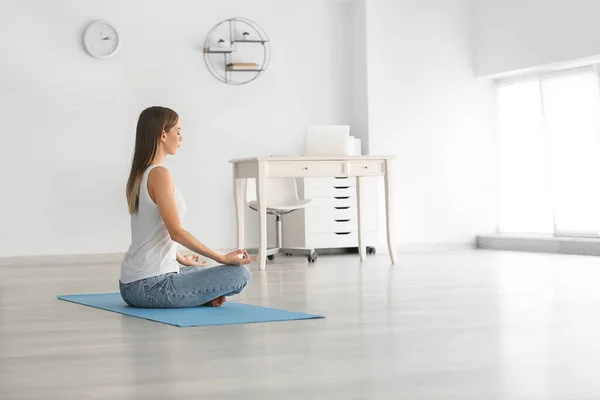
(457, 325)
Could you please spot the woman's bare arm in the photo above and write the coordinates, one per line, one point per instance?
(160, 187)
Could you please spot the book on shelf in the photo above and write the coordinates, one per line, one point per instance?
(218, 50)
(242, 64)
(238, 66)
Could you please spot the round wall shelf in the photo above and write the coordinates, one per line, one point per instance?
(237, 51)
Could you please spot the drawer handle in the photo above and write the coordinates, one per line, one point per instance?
(305, 168)
(341, 177)
(341, 187)
(342, 233)
(342, 208)
(366, 166)
(341, 197)
(342, 220)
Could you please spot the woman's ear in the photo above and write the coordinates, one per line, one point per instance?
(163, 136)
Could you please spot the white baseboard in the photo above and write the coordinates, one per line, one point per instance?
(62, 259)
(540, 244)
(116, 258)
(430, 247)
(427, 247)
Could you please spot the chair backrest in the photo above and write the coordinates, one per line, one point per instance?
(280, 191)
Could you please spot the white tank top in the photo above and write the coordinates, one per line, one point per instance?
(152, 252)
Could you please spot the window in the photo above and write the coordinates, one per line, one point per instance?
(548, 132)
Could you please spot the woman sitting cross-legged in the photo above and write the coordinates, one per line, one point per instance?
(153, 273)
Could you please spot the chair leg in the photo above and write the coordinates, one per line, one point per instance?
(310, 253)
(278, 235)
(279, 231)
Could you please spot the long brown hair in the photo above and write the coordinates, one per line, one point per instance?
(151, 123)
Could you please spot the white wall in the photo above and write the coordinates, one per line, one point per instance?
(512, 35)
(68, 120)
(427, 108)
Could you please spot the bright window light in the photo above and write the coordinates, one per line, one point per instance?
(548, 133)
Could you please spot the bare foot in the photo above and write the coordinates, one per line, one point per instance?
(218, 302)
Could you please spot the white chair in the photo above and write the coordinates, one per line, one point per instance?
(282, 198)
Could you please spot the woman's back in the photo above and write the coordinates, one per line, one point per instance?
(152, 252)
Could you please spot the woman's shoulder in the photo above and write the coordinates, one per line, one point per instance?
(159, 171)
(159, 176)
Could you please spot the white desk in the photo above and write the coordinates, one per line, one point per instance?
(262, 168)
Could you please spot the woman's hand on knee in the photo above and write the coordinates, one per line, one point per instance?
(238, 257)
(192, 260)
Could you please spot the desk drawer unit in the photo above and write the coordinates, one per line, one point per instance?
(324, 219)
(331, 220)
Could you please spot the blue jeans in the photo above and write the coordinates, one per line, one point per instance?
(191, 287)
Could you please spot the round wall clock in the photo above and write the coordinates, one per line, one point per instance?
(101, 40)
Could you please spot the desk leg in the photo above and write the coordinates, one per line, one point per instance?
(389, 206)
(240, 206)
(261, 196)
(362, 249)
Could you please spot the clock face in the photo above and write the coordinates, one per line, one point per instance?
(101, 40)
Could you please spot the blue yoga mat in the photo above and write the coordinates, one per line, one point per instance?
(229, 313)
